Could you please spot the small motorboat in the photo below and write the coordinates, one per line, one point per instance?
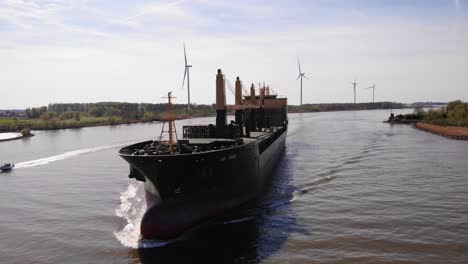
(7, 167)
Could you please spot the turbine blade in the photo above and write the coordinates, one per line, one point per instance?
(185, 74)
(185, 56)
(299, 64)
(299, 76)
(305, 76)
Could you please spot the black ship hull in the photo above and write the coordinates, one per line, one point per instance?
(184, 190)
(214, 168)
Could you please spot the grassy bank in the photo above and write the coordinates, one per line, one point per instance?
(62, 116)
(76, 115)
(17, 124)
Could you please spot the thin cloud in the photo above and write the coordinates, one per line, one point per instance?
(161, 12)
(27, 14)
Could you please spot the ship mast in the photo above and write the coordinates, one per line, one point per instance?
(169, 118)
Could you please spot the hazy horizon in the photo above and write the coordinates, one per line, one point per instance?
(81, 51)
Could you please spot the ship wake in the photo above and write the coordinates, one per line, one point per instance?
(131, 209)
(66, 155)
(305, 188)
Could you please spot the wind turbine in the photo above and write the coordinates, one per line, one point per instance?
(373, 92)
(354, 88)
(301, 75)
(187, 74)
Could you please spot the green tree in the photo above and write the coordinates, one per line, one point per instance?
(458, 111)
(453, 104)
(149, 116)
(433, 114)
(42, 110)
(112, 111)
(35, 113)
(97, 111)
(26, 132)
(48, 115)
(77, 116)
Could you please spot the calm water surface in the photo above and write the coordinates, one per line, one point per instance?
(348, 189)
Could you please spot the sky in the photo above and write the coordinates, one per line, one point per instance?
(63, 51)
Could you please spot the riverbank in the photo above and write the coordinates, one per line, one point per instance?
(13, 125)
(452, 132)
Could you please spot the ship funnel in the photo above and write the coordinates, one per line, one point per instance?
(252, 94)
(221, 117)
(252, 118)
(262, 96)
(220, 91)
(239, 118)
(238, 91)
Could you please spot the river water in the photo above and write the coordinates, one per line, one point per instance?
(348, 189)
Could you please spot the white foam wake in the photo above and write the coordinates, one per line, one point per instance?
(4, 136)
(65, 155)
(131, 209)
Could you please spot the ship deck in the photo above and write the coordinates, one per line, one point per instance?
(196, 145)
(254, 135)
(260, 134)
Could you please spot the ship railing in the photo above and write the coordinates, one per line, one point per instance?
(198, 131)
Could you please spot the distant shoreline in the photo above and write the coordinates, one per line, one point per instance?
(332, 107)
(33, 124)
(55, 123)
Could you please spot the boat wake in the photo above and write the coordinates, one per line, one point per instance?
(131, 209)
(301, 190)
(65, 155)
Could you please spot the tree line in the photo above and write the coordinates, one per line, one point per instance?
(454, 114)
(342, 107)
(132, 111)
(137, 111)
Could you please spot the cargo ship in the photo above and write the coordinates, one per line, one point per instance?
(214, 168)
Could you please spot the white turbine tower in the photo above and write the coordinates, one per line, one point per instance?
(187, 74)
(354, 88)
(373, 92)
(301, 75)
